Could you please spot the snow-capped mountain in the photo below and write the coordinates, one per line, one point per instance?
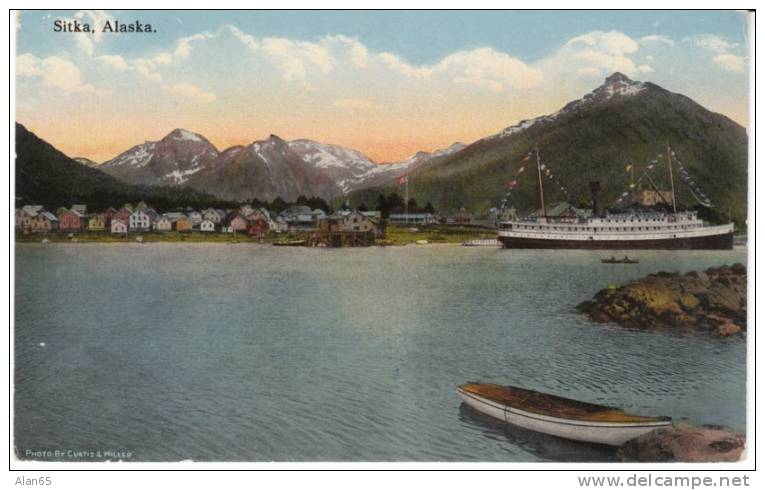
(384, 174)
(169, 161)
(616, 85)
(265, 169)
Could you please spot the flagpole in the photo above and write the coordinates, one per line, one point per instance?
(541, 190)
(406, 198)
(671, 179)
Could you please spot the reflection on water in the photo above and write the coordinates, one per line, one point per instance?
(542, 446)
(258, 353)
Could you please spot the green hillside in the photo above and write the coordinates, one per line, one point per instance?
(594, 139)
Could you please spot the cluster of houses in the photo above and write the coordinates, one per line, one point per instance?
(142, 218)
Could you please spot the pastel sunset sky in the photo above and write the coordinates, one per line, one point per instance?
(386, 83)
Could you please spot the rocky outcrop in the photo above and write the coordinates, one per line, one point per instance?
(685, 444)
(711, 301)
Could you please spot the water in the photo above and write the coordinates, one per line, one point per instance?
(220, 352)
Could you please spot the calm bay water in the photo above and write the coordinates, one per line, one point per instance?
(256, 353)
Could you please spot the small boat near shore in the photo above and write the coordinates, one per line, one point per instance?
(558, 416)
(625, 260)
(290, 243)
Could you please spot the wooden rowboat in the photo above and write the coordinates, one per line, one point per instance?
(290, 243)
(625, 260)
(558, 416)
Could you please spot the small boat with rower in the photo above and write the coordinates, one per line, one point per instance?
(625, 260)
(558, 416)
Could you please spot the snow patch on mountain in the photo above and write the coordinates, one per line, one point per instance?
(184, 135)
(616, 85)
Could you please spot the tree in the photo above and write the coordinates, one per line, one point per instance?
(382, 205)
(429, 208)
(412, 203)
(363, 208)
(394, 201)
(278, 205)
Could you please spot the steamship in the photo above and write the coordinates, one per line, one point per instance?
(625, 231)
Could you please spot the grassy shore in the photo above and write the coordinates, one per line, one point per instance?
(403, 235)
(396, 235)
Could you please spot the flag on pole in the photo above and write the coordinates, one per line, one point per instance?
(520, 170)
(526, 158)
(512, 183)
(404, 179)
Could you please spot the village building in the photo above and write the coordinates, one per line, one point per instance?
(72, 221)
(80, 208)
(207, 226)
(96, 222)
(118, 226)
(195, 217)
(412, 218)
(302, 217)
(163, 223)
(462, 217)
(278, 225)
(214, 215)
(257, 224)
(183, 224)
(26, 214)
(152, 214)
(107, 215)
(44, 222)
(123, 214)
(139, 221)
(237, 222)
(355, 221)
(344, 229)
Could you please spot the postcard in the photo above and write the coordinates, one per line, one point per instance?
(381, 236)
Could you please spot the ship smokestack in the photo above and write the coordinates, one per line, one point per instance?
(595, 190)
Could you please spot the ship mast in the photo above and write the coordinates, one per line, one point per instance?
(671, 179)
(541, 190)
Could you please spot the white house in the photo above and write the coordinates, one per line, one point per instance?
(212, 215)
(207, 225)
(356, 221)
(118, 226)
(412, 218)
(139, 221)
(195, 217)
(163, 224)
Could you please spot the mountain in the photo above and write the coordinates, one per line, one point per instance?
(264, 169)
(593, 138)
(46, 176)
(351, 170)
(169, 161)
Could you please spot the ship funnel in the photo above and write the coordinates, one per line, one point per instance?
(595, 190)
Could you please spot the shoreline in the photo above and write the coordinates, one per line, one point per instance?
(395, 236)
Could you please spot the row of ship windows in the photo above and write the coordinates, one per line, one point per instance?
(596, 229)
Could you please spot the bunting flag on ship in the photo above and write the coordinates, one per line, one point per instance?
(682, 171)
(551, 176)
(692, 186)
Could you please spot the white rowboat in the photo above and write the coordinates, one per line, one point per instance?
(557, 416)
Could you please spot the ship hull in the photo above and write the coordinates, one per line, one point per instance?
(709, 242)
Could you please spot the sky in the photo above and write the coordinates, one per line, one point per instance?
(387, 83)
